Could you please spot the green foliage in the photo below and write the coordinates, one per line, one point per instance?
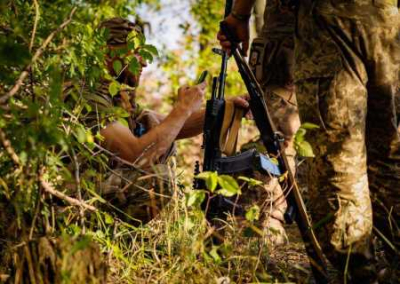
(303, 147)
(45, 141)
(227, 185)
(41, 136)
(250, 181)
(195, 198)
(253, 213)
(210, 178)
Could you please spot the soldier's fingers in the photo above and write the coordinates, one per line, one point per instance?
(249, 115)
(226, 44)
(221, 36)
(245, 97)
(183, 88)
(241, 102)
(202, 85)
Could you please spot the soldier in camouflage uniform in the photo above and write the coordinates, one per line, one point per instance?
(272, 60)
(348, 89)
(347, 64)
(143, 184)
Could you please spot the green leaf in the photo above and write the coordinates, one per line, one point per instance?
(108, 219)
(214, 254)
(304, 149)
(195, 198)
(308, 125)
(251, 181)
(80, 134)
(134, 65)
(146, 55)
(131, 45)
(117, 65)
(225, 192)
(229, 186)
(210, 178)
(300, 134)
(212, 181)
(114, 88)
(253, 213)
(151, 48)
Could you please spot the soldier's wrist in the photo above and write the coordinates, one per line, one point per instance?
(183, 110)
(240, 17)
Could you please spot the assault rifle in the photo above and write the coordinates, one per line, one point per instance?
(214, 160)
(252, 160)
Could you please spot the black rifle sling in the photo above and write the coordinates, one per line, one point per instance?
(274, 146)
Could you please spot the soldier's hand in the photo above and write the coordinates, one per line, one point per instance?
(191, 98)
(243, 102)
(241, 30)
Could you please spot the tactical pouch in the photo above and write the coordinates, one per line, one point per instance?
(257, 53)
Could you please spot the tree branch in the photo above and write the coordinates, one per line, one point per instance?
(10, 150)
(50, 189)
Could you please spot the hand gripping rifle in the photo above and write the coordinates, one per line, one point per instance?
(274, 145)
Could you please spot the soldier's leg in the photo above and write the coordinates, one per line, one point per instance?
(332, 93)
(282, 105)
(275, 71)
(338, 183)
(384, 171)
(383, 140)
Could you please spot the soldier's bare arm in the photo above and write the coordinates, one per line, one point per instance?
(151, 146)
(194, 124)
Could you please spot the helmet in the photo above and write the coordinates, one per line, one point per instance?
(119, 29)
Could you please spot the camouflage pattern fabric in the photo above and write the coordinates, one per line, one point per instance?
(278, 83)
(347, 64)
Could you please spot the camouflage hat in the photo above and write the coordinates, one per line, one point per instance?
(119, 29)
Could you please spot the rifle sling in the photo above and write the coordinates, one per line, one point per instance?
(230, 128)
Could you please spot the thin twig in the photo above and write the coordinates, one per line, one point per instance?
(36, 214)
(35, 57)
(50, 189)
(10, 150)
(78, 189)
(35, 3)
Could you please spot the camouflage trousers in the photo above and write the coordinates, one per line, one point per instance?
(274, 70)
(139, 196)
(348, 58)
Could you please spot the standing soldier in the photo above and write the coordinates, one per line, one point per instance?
(347, 64)
(272, 60)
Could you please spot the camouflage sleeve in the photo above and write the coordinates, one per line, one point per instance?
(98, 108)
(279, 17)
